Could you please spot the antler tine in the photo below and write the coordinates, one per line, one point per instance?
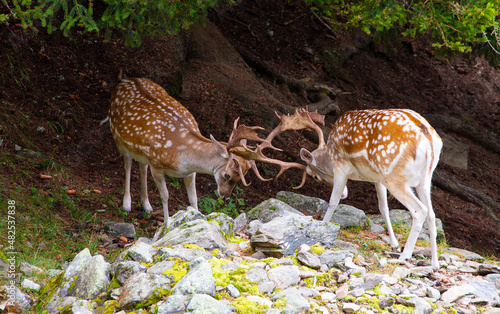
(243, 132)
(257, 155)
(301, 119)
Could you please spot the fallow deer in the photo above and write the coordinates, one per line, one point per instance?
(153, 128)
(396, 149)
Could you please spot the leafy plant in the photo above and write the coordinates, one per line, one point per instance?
(133, 19)
(454, 26)
(230, 207)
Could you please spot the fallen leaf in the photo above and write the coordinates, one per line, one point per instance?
(123, 239)
(71, 192)
(45, 176)
(96, 191)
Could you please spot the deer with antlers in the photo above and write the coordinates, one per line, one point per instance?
(396, 149)
(153, 128)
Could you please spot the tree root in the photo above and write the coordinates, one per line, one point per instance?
(320, 94)
(469, 194)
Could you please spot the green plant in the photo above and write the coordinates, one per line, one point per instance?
(133, 19)
(453, 26)
(208, 205)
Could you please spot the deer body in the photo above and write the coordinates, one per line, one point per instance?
(154, 129)
(397, 150)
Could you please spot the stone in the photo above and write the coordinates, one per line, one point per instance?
(125, 269)
(160, 268)
(349, 216)
(256, 275)
(453, 294)
(142, 287)
(295, 302)
(350, 307)
(30, 270)
(173, 304)
(233, 291)
(284, 276)
(198, 232)
(270, 209)
(308, 259)
(240, 223)
(202, 303)
(141, 252)
(179, 218)
(224, 222)
(422, 271)
(400, 272)
(198, 280)
(29, 284)
(92, 280)
(120, 229)
(307, 204)
(181, 252)
(334, 258)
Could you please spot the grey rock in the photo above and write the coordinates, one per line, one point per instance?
(226, 223)
(284, 276)
(467, 255)
(240, 223)
(334, 258)
(483, 289)
(270, 209)
(233, 291)
(140, 288)
(266, 287)
(198, 280)
(421, 271)
(294, 300)
(120, 229)
(206, 304)
(309, 259)
(173, 304)
(141, 252)
(307, 204)
(454, 293)
(198, 232)
(92, 280)
(160, 268)
(29, 284)
(183, 253)
(386, 302)
(349, 216)
(30, 270)
(486, 269)
(179, 218)
(71, 305)
(256, 275)
(125, 269)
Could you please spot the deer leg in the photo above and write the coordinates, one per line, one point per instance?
(190, 183)
(159, 178)
(418, 212)
(339, 184)
(127, 199)
(424, 194)
(143, 168)
(384, 210)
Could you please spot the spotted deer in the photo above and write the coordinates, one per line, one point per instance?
(153, 128)
(396, 149)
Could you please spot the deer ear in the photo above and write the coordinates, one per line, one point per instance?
(221, 149)
(306, 156)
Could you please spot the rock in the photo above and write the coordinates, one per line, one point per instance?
(197, 232)
(285, 235)
(141, 252)
(483, 289)
(225, 223)
(72, 305)
(141, 288)
(307, 204)
(422, 271)
(284, 276)
(350, 307)
(386, 302)
(256, 275)
(308, 259)
(198, 280)
(202, 303)
(349, 216)
(295, 302)
(181, 252)
(179, 218)
(173, 304)
(455, 153)
(30, 270)
(453, 294)
(485, 269)
(334, 258)
(400, 272)
(270, 209)
(160, 268)
(29, 284)
(92, 280)
(240, 223)
(125, 269)
(433, 293)
(467, 255)
(120, 229)
(233, 291)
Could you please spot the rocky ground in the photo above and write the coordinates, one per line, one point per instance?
(272, 260)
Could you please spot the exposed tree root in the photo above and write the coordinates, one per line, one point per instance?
(319, 94)
(478, 197)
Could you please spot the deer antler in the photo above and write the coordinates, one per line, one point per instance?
(302, 119)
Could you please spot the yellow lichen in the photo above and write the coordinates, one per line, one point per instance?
(244, 305)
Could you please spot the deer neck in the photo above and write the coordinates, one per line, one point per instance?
(201, 156)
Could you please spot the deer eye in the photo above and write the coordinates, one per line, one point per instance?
(227, 176)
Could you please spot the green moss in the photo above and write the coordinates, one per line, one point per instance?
(72, 284)
(177, 271)
(371, 301)
(237, 277)
(114, 284)
(109, 307)
(244, 305)
(317, 249)
(158, 294)
(280, 303)
(48, 291)
(193, 246)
